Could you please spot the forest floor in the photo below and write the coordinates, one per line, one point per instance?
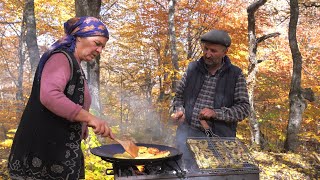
(287, 165)
(303, 165)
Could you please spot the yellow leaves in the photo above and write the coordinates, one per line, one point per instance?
(316, 156)
(6, 143)
(261, 156)
(115, 129)
(283, 165)
(310, 136)
(95, 167)
(51, 15)
(10, 135)
(239, 136)
(12, 131)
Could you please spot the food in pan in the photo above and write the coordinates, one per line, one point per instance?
(161, 154)
(142, 149)
(144, 153)
(124, 155)
(152, 150)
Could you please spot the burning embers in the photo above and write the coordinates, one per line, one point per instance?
(140, 168)
(164, 168)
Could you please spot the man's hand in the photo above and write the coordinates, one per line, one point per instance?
(178, 115)
(207, 114)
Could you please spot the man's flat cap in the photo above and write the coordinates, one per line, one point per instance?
(217, 37)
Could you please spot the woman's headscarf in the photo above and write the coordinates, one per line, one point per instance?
(75, 27)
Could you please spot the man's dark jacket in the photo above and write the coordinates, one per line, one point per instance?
(224, 93)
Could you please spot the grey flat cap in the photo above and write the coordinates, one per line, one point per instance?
(217, 37)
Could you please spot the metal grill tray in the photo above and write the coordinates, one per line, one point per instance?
(221, 155)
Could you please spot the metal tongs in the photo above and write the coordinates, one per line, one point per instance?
(207, 129)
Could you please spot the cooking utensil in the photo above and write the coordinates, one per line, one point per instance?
(207, 128)
(106, 152)
(129, 147)
(231, 155)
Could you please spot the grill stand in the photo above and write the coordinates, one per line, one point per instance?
(152, 169)
(172, 170)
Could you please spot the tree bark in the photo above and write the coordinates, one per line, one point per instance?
(88, 8)
(31, 35)
(173, 44)
(297, 102)
(91, 8)
(253, 69)
(21, 56)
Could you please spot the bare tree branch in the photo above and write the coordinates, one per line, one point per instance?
(267, 36)
(311, 4)
(162, 6)
(6, 22)
(255, 6)
(110, 5)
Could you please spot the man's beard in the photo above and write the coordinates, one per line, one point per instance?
(210, 62)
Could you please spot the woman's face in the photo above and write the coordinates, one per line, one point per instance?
(87, 48)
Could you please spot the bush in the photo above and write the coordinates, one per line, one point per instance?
(95, 167)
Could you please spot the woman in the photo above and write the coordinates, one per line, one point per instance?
(47, 141)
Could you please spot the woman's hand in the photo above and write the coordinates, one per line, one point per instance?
(100, 127)
(85, 131)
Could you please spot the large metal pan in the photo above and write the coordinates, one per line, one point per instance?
(106, 152)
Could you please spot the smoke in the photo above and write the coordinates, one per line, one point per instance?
(140, 121)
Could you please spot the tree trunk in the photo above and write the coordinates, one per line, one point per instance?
(173, 45)
(161, 79)
(253, 69)
(256, 137)
(31, 35)
(91, 8)
(28, 35)
(189, 41)
(297, 102)
(88, 8)
(21, 56)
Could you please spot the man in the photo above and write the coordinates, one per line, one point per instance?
(212, 94)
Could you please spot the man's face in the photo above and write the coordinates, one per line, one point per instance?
(213, 53)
